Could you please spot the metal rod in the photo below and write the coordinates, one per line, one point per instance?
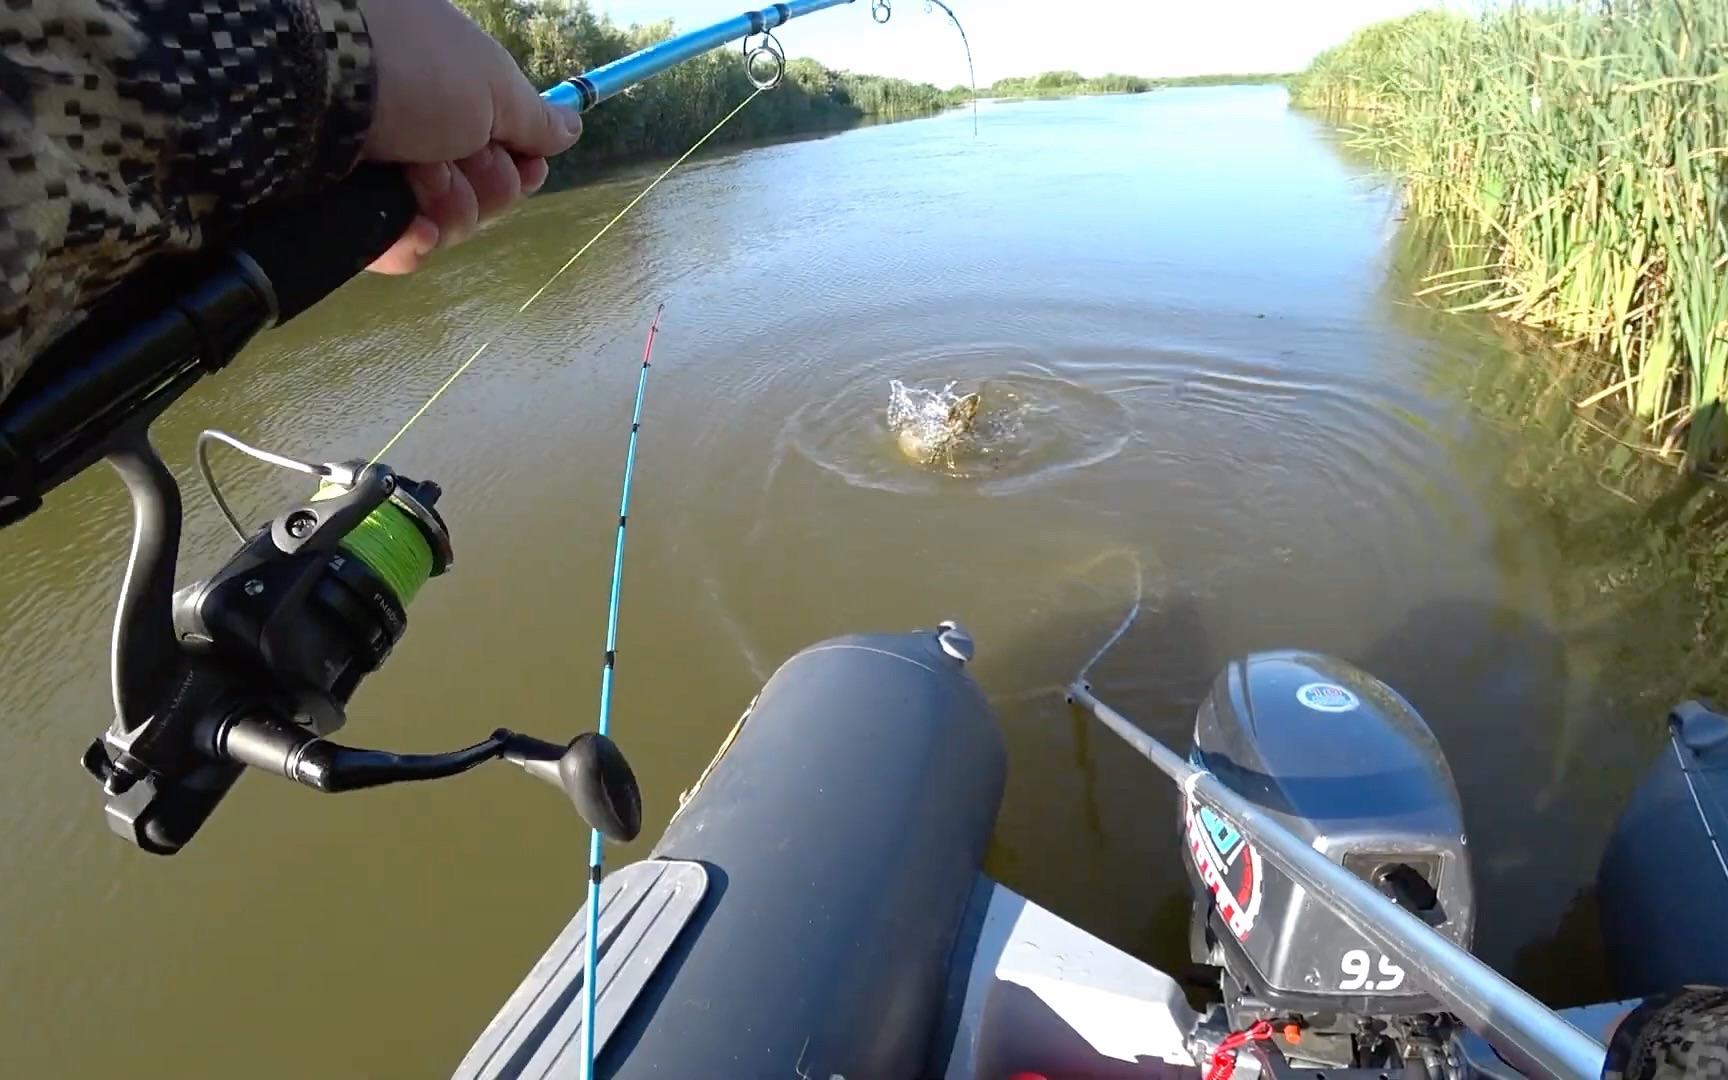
(590, 88)
(591, 963)
(1526, 1032)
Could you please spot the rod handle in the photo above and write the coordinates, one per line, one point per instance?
(310, 247)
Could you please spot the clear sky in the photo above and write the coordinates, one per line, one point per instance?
(1024, 37)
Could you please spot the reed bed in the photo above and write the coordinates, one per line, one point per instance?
(1574, 152)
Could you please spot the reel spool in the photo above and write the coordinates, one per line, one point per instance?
(315, 601)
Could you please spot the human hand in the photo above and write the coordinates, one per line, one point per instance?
(451, 105)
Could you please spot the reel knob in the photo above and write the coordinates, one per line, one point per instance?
(594, 774)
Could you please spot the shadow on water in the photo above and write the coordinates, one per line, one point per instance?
(1497, 687)
(1645, 581)
(1629, 625)
(1070, 777)
(1495, 684)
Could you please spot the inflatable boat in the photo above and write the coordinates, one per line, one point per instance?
(817, 906)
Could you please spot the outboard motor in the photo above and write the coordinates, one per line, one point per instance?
(1345, 763)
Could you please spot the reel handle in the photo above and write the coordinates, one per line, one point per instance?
(288, 750)
(593, 773)
(590, 770)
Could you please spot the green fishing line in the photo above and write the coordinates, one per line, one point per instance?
(391, 545)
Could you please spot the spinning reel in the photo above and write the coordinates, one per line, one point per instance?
(255, 665)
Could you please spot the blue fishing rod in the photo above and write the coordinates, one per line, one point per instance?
(608, 80)
(596, 841)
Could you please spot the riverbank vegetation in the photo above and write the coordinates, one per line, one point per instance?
(1574, 152)
(1072, 83)
(550, 39)
(1060, 84)
(1643, 601)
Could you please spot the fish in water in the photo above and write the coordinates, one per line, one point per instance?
(930, 442)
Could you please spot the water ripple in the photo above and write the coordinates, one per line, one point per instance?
(1045, 425)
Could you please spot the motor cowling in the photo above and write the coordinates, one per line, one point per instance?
(1346, 764)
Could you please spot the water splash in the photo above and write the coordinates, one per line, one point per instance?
(1034, 425)
(919, 417)
(919, 409)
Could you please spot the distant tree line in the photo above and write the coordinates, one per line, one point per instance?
(552, 39)
(1067, 83)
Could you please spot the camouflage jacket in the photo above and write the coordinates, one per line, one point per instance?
(1679, 1035)
(133, 127)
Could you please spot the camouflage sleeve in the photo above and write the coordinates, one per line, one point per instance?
(133, 127)
(1676, 1036)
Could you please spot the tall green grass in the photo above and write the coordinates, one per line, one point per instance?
(1641, 595)
(1575, 153)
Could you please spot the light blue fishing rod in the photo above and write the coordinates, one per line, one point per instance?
(590, 88)
(585, 91)
(591, 963)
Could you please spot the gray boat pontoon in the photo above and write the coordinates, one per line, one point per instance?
(816, 908)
